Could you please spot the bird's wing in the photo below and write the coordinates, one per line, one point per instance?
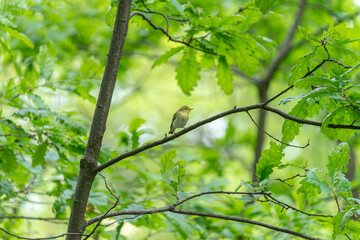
(172, 121)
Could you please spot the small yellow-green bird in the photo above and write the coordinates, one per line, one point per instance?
(180, 118)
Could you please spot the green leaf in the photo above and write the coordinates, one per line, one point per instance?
(134, 125)
(38, 157)
(270, 159)
(310, 182)
(110, 16)
(177, 6)
(6, 188)
(166, 163)
(316, 81)
(251, 15)
(338, 159)
(307, 35)
(72, 125)
(60, 204)
(224, 76)
(187, 73)
(172, 171)
(301, 67)
(98, 199)
(46, 62)
(8, 160)
(165, 57)
(20, 36)
(334, 34)
(181, 224)
(345, 219)
(264, 5)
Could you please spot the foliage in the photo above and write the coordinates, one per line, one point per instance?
(52, 63)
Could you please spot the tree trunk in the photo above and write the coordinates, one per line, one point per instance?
(98, 126)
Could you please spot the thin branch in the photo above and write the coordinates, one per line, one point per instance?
(164, 16)
(107, 187)
(54, 237)
(167, 33)
(287, 179)
(270, 198)
(289, 145)
(336, 61)
(237, 219)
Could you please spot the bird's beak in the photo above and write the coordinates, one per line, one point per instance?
(191, 109)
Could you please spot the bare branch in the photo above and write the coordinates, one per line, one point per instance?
(237, 219)
(289, 145)
(54, 237)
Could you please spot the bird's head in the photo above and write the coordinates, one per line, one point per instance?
(185, 109)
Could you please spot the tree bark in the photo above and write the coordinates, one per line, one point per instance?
(77, 221)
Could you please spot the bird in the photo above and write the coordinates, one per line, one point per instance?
(180, 118)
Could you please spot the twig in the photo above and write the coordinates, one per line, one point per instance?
(54, 237)
(107, 187)
(336, 61)
(287, 206)
(289, 145)
(164, 16)
(287, 179)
